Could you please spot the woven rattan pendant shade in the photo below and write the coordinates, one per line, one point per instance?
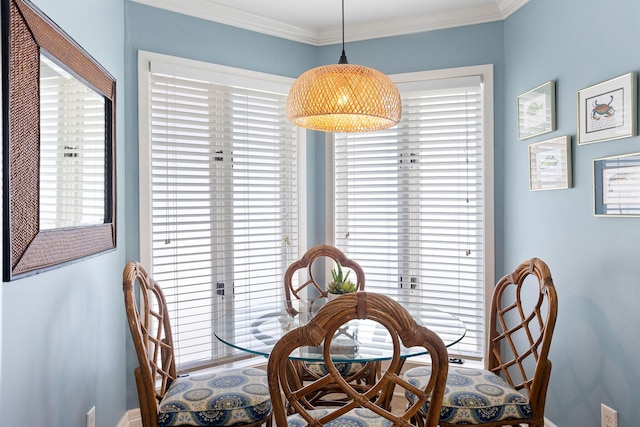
(344, 98)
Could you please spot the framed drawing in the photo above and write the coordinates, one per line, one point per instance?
(537, 111)
(607, 110)
(616, 183)
(550, 164)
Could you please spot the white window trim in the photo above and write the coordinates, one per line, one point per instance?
(486, 73)
(222, 73)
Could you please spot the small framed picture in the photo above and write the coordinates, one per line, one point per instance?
(537, 111)
(550, 164)
(616, 183)
(607, 110)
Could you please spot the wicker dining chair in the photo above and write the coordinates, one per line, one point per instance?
(362, 407)
(231, 398)
(315, 292)
(312, 261)
(512, 390)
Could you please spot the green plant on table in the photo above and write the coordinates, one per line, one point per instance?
(341, 283)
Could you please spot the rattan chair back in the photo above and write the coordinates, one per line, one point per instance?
(307, 287)
(312, 262)
(284, 381)
(523, 317)
(151, 331)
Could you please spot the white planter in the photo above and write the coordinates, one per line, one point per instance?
(331, 297)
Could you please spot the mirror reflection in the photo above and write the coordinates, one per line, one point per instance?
(72, 150)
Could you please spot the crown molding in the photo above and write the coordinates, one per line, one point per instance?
(508, 7)
(215, 12)
(494, 10)
(450, 19)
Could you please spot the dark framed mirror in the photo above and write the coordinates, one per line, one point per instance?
(58, 130)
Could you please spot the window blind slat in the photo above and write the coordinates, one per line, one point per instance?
(409, 205)
(224, 191)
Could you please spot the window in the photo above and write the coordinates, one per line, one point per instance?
(413, 204)
(219, 191)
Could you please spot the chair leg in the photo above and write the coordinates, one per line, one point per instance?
(418, 418)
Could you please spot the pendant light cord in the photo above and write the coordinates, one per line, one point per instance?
(343, 57)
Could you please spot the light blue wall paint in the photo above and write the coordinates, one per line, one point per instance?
(206, 41)
(458, 47)
(168, 33)
(53, 317)
(63, 331)
(184, 36)
(594, 261)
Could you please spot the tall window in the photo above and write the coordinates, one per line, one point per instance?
(219, 192)
(412, 204)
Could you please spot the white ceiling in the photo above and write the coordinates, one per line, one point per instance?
(318, 22)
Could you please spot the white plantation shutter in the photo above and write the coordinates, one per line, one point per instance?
(410, 207)
(224, 203)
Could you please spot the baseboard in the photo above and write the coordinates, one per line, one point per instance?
(131, 418)
(548, 423)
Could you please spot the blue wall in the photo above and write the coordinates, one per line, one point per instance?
(201, 40)
(575, 42)
(206, 41)
(594, 261)
(63, 332)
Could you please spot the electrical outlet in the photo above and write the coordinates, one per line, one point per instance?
(91, 417)
(609, 416)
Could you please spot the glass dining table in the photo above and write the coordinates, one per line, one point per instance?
(256, 328)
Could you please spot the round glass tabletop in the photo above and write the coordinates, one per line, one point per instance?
(256, 329)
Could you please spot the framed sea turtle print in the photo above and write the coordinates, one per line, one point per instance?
(537, 111)
(550, 164)
(607, 110)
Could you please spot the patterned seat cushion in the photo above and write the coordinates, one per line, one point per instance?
(358, 417)
(474, 396)
(234, 397)
(319, 369)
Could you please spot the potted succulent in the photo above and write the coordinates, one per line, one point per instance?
(340, 283)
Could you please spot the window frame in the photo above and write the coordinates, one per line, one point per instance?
(224, 75)
(486, 74)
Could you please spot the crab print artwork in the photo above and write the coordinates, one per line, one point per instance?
(602, 110)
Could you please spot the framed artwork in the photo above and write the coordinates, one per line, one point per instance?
(537, 111)
(550, 164)
(607, 110)
(616, 184)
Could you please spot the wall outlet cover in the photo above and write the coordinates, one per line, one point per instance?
(609, 417)
(91, 417)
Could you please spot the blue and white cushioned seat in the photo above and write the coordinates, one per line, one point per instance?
(346, 369)
(234, 397)
(474, 396)
(358, 417)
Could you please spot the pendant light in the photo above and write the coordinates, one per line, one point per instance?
(344, 98)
